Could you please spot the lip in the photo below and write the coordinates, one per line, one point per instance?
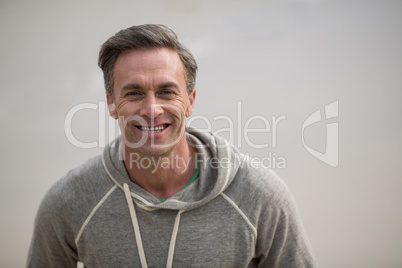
(155, 134)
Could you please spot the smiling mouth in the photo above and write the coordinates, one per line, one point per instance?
(155, 129)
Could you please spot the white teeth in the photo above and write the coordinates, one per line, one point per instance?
(153, 129)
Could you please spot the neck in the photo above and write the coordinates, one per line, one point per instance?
(162, 176)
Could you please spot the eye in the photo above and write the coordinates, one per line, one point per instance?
(133, 94)
(166, 93)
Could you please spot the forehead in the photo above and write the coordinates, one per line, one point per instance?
(149, 60)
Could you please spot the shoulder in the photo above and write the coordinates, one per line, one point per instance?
(74, 195)
(79, 180)
(258, 183)
(267, 203)
(260, 193)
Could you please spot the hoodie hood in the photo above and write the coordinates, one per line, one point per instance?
(219, 163)
(233, 215)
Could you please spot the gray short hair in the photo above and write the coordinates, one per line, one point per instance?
(148, 36)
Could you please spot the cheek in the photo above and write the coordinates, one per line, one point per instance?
(120, 105)
(124, 108)
(176, 108)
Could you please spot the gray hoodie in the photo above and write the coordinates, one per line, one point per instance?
(233, 215)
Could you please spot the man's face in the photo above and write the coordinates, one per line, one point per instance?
(151, 100)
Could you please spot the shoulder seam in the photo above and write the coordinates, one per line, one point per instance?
(93, 212)
(234, 205)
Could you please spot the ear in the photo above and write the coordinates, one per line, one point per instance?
(111, 106)
(191, 100)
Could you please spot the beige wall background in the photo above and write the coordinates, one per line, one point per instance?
(277, 58)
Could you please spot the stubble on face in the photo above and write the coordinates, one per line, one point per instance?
(150, 91)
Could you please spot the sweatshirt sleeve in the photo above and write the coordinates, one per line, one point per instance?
(281, 240)
(52, 243)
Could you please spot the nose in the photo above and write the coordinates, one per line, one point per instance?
(150, 107)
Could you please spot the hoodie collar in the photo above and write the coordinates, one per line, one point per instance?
(218, 166)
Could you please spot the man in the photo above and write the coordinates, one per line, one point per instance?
(163, 195)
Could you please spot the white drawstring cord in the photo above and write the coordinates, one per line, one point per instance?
(136, 226)
(138, 239)
(173, 240)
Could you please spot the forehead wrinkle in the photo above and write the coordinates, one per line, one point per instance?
(134, 68)
(151, 59)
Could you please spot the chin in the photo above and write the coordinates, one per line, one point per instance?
(152, 152)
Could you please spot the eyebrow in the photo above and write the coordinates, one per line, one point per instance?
(131, 86)
(161, 85)
(168, 84)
